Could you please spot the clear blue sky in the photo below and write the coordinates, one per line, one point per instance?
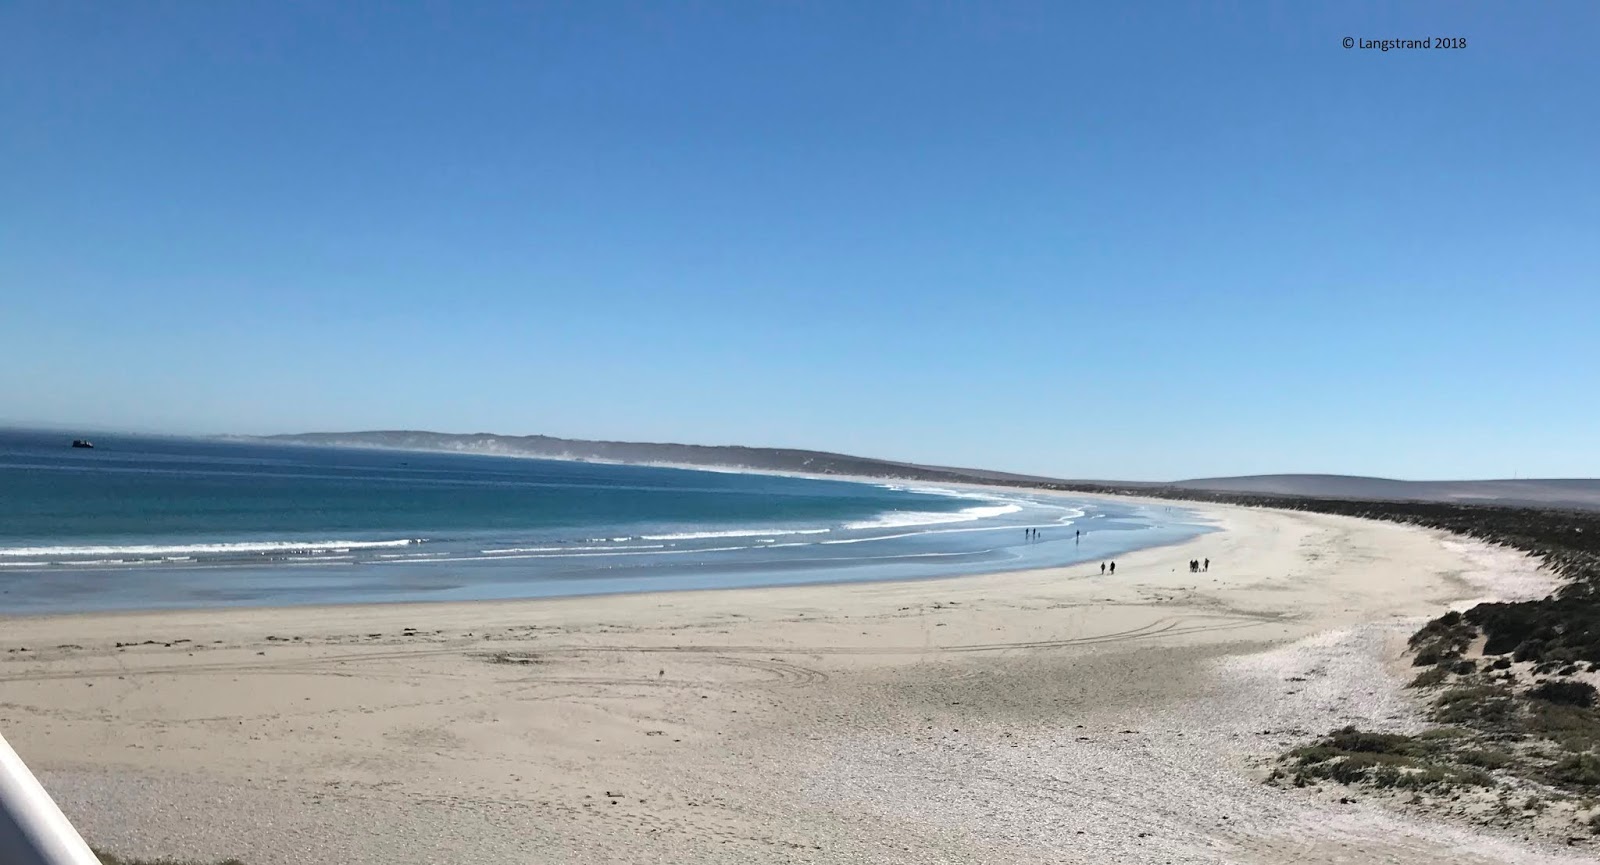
(1139, 241)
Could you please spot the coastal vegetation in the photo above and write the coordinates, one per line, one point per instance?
(1508, 686)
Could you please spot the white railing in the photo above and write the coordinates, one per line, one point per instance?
(33, 831)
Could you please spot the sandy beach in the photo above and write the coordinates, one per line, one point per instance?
(1039, 716)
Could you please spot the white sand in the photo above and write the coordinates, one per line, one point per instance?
(1046, 716)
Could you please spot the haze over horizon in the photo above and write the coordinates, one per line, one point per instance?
(1299, 483)
(1017, 237)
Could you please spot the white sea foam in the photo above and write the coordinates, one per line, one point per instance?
(906, 519)
(938, 491)
(188, 549)
(1010, 528)
(920, 556)
(571, 549)
(737, 533)
(512, 557)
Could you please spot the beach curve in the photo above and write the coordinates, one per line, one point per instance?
(1032, 716)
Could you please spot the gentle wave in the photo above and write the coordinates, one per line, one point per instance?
(188, 549)
(507, 558)
(737, 533)
(571, 549)
(934, 491)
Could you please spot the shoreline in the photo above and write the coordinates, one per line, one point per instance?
(775, 573)
(19, 623)
(896, 721)
(8, 620)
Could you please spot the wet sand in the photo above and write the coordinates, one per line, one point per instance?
(1041, 716)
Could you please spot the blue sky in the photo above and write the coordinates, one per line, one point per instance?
(1141, 241)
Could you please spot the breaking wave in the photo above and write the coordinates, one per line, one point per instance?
(203, 549)
(907, 519)
(735, 533)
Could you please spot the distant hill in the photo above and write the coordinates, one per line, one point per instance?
(1568, 493)
(706, 456)
(1576, 493)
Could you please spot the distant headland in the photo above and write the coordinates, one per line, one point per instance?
(1556, 493)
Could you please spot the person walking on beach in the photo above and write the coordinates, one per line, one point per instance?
(1208, 564)
(1113, 569)
(1102, 569)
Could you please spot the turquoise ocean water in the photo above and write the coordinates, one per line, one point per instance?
(169, 523)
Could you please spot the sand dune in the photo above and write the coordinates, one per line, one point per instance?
(1050, 716)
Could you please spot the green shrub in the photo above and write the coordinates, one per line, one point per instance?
(1431, 677)
(1485, 758)
(1581, 694)
(1386, 777)
(1351, 739)
(1580, 769)
(1530, 650)
(1572, 727)
(1481, 706)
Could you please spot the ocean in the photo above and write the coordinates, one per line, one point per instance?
(165, 523)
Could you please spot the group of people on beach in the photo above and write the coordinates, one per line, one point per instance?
(1103, 569)
(1197, 565)
(1033, 535)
